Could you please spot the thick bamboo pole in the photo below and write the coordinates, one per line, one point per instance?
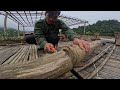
(51, 66)
(77, 54)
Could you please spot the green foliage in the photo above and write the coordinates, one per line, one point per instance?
(105, 27)
(10, 32)
(88, 33)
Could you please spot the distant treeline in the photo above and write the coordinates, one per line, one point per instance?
(105, 27)
(10, 32)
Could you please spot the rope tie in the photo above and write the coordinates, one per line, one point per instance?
(75, 53)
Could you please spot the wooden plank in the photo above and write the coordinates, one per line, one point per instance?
(116, 56)
(112, 68)
(117, 51)
(12, 57)
(108, 76)
(36, 54)
(27, 54)
(101, 65)
(4, 50)
(7, 54)
(33, 58)
(110, 72)
(115, 65)
(91, 68)
(113, 57)
(105, 76)
(30, 55)
(94, 65)
(114, 61)
(21, 55)
(35, 51)
(18, 54)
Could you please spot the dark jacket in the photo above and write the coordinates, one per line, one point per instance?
(49, 32)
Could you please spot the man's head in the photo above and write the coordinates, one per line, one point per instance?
(51, 16)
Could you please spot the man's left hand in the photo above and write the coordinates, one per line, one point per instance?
(82, 43)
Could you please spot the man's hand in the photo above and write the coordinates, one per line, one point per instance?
(83, 44)
(49, 48)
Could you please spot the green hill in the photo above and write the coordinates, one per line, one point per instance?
(105, 27)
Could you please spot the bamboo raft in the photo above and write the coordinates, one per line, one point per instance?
(23, 62)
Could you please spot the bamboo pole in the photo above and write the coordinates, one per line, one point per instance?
(47, 66)
(5, 25)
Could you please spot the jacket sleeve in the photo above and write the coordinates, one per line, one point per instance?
(39, 36)
(67, 31)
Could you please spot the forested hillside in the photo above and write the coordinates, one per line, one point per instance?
(10, 32)
(105, 27)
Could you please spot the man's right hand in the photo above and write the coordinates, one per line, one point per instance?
(49, 48)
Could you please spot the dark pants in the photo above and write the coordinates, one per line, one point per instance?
(30, 39)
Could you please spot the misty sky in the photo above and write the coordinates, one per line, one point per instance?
(90, 16)
(94, 16)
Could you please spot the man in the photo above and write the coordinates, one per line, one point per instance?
(46, 32)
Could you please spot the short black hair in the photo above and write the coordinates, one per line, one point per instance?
(53, 13)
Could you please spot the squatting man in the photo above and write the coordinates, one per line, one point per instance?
(46, 33)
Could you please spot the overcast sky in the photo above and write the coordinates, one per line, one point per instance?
(90, 16)
(94, 16)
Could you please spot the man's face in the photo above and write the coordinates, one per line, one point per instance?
(50, 19)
